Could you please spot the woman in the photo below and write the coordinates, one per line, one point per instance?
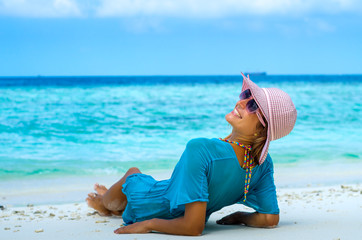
(211, 174)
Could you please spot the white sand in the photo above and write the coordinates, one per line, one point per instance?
(306, 213)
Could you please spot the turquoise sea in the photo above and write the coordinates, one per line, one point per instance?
(56, 127)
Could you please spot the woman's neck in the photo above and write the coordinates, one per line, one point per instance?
(234, 137)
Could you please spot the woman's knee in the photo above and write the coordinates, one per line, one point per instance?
(133, 170)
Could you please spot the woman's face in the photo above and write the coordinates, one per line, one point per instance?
(241, 120)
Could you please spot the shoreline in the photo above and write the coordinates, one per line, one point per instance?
(70, 189)
(328, 212)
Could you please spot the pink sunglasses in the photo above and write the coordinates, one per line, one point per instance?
(251, 105)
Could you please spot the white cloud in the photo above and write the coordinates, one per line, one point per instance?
(39, 8)
(174, 8)
(220, 8)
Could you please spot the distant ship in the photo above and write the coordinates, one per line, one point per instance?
(255, 73)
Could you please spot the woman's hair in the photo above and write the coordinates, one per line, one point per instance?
(257, 142)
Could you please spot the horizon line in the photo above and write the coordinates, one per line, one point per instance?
(183, 75)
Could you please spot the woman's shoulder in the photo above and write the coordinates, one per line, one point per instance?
(211, 146)
(206, 142)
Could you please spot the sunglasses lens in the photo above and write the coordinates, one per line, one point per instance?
(245, 95)
(252, 106)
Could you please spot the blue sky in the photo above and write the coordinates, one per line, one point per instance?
(179, 37)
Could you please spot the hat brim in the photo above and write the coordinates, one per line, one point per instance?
(261, 99)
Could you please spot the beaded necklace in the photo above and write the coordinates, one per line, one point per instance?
(248, 164)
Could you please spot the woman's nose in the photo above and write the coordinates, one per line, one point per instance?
(243, 103)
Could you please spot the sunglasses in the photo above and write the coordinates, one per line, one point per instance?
(251, 105)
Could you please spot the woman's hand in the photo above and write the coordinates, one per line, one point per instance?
(138, 227)
(191, 224)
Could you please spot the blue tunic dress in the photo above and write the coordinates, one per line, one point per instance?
(208, 171)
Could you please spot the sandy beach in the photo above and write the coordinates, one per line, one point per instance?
(326, 212)
(90, 89)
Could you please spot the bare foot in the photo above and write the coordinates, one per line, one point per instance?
(95, 201)
(100, 189)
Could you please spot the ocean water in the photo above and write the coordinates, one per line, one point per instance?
(101, 126)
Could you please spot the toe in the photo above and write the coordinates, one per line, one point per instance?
(100, 189)
(92, 195)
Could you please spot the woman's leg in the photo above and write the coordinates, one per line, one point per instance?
(112, 200)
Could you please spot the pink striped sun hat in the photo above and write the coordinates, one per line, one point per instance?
(277, 108)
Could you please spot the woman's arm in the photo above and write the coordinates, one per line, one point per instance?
(250, 219)
(192, 223)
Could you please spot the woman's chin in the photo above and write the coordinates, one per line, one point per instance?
(229, 118)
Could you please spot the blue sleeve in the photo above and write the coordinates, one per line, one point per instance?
(189, 180)
(263, 198)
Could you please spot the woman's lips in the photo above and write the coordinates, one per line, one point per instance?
(236, 113)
